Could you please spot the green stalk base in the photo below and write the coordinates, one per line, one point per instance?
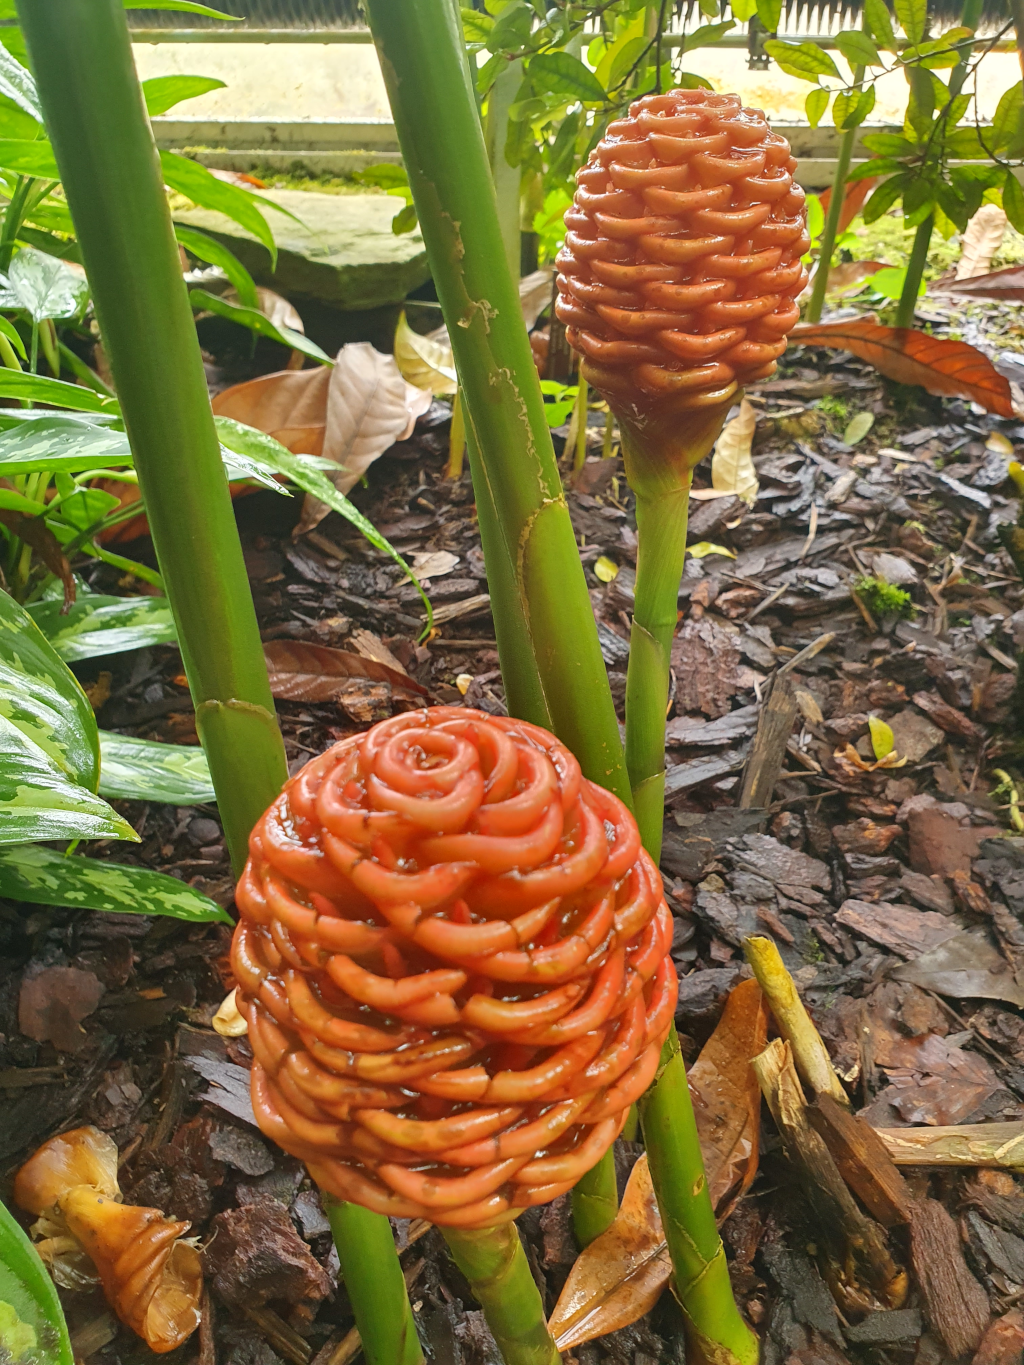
(907, 306)
(716, 1333)
(495, 1264)
(595, 1200)
(835, 209)
(376, 1288)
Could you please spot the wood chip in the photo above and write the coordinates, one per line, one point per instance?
(863, 1160)
(907, 932)
(957, 1307)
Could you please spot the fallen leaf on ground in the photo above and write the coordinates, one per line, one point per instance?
(424, 362)
(349, 414)
(858, 427)
(997, 284)
(931, 1082)
(732, 469)
(940, 366)
(981, 241)
(303, 672)
(52, 1004)
(620, 1276)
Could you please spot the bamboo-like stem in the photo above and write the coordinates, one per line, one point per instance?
(835, 209)
(907, 305)
(716, 1333)
(456, 439)
(376, 1287)
(609, 435)
(494, 1263)
(104, 147)
(528, 540)
(595, 1200)
(506, 178)
(794, 1023)
(579, 458)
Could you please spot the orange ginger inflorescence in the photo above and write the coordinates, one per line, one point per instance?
(682, 259)
(453, 957)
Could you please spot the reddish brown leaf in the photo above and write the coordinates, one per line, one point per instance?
(853, 200)
(302, 672)
(620, 1276)
(944, 367)
(35, 532)
(997, 284)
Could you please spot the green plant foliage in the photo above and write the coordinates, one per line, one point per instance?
(42, 697)
(43, 877)
(256, 321)
(884, 599)
(32, 1326)
(143, 770)
(97, 625)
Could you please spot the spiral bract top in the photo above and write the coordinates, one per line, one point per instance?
(681, 263)
(453, 958)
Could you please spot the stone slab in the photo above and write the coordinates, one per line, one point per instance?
(342, 252)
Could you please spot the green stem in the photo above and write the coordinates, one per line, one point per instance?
(579, 458)
(661, 548)
(9, 356)
(13, 218)
(907, 305)
(595, 1200)
(456, 439)
(82, 58)
(376, 1288)
(835, 209)
(716, 1333)
(494, 1263)
(506, 178)
(528, 540)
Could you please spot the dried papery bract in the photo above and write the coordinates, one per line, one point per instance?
(152, 1279)
(453, 957)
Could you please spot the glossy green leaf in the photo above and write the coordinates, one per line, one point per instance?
(807, 61)
(743, 9)
(96, 625)
(13, 336)
(889, 144)
(560, 73)
(143, 770)
(38, 388)
(38, 800)
(196, 183)
(878, 24)
(815, 105)
(850, 111)
(1013, 201)
(43, 286)
(1006, 121)
(42, 876)
(476, 26)
(511, 31)
(884, 196)
(32, 1326)
(184, 6)
(213, 252)
(43, 698)
(18, 85)
(857, 48)
(256, 321)
(27, 156)
(769, 12)
(707, 35)
(307, 476)
(912, 16)
(164, 92)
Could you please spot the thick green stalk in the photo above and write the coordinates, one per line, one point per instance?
(716, 1333)
(376, 1288)
(111, 175)
(907, 305)
(524, 519)
(579, 458)
(595, 1200)
(835, 209)
(506, 178)
(494, 1263)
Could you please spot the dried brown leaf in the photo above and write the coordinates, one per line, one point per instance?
(981, 241)
(909, 357)
(304, 672)
(997, 284)
(620, 1276)
(732, 468)
(35, 532)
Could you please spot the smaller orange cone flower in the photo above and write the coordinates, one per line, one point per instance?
(453, 957)
(153, 1281)
(682, 263)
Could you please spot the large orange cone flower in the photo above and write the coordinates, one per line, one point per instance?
(453, 957)
(681, 264)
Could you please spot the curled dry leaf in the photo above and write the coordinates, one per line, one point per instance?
(981, 241)
(732, 468)
(349, 414)
(944, 367)
(997, 284)
(302, 672)
(228, 1022)
(152, 1279)
(850, 763)
(620, 1276)
(425, 361)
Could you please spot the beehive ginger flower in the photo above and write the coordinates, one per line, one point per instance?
(152, 1279)
(682, 257)
(453, 958)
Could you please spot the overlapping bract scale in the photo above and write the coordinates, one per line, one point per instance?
(682, 257)
(453, 959)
